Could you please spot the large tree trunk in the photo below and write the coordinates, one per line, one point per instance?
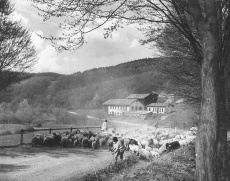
(206, 148)
(208, 132)
(222, 142)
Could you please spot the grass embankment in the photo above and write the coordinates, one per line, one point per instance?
(178, 165)
(172, 166)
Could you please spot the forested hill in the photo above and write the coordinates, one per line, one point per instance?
(88, 89)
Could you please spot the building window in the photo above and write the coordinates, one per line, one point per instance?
(140, 108)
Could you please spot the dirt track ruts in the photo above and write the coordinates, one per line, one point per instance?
(25, 163)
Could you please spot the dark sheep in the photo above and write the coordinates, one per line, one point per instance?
(109, 144)
(57, 138)
(37, 141)
(102, 142)
(90, 134)
(133, 142)
(173, 145)
(85, 142)
(48, 141)
(65, 142)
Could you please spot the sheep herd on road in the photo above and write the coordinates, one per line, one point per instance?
(146, 142)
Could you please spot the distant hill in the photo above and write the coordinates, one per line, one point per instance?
(89, 89)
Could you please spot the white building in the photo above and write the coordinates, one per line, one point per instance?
(159, 108)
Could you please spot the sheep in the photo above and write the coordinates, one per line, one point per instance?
(154, 153)
(102, 142)
(85, 142)
(94, 144)
(183, 143)
(155, 150)
(148, 148)
(172, 145)
(65, 142)
(155, 142)
(193, 129)
(190, 133)
(133, 141)
(76, 142)
(187, 141)
(190, 138)
(162, 149)
(144, 143)
(178, 137)
(142, 153)
(48, 140)
(134, 149)
(37, 140)
(90, 140)
(109, 144)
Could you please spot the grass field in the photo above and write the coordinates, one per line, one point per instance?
(178, 165)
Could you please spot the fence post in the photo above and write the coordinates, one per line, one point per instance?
(71, 129)
(21, 140)
(50, 131)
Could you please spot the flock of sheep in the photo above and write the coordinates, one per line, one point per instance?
(147, 142)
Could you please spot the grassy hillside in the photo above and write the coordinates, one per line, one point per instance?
(88, 89)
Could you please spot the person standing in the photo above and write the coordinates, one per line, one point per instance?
(104, 126)
(118, 149)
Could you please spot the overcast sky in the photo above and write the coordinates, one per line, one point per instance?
(98, 52)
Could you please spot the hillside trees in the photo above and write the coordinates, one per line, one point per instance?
(204, 23)
(17, 53)
(180, 65)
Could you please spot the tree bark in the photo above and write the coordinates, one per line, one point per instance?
(222, 142)
(208, 132)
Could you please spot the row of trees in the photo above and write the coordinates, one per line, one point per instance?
(203, 24)
(25, 113)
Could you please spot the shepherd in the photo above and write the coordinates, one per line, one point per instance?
(104, 126)
(118, 149)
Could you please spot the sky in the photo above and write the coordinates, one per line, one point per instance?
(98, 52)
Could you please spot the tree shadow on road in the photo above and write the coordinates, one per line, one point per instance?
(27, 150)
(11, 167)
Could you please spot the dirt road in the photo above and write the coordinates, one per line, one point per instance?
(38, 164)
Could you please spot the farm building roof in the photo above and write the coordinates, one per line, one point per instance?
(137, 96)
(157, 105)
(119, 102)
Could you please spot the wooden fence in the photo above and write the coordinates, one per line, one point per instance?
(52, 129)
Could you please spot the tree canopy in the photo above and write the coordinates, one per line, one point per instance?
(17, 52)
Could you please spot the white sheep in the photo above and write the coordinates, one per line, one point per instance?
(134, 148)
(155, 142)
(177, 137)
(154, 153)
(145, 154)
(162, 149)
(193, 129)
(144, 143)
(148, 148)
(155, 150)
(183, 143)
